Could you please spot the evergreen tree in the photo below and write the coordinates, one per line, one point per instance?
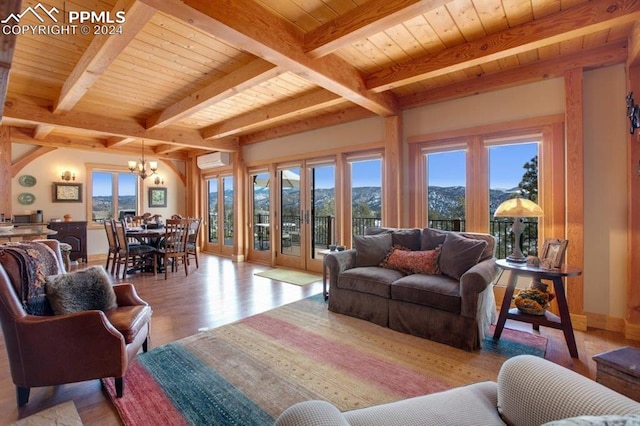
(529, 184)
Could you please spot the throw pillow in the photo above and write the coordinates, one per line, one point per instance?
(413, 262)
(405, 237)
(459, 254)
(371, 249)
(82, 290)
(432, 238)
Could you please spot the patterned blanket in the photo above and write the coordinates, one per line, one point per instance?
(37, 261)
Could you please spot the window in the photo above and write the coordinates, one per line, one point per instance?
(446, 189)
(114, 194)
(366, 194)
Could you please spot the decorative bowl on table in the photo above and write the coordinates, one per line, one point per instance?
(532, 301)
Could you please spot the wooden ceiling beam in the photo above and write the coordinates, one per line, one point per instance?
(372, 17)
(238, 81)
(246, 24)
(102, 51)
(42, 130)
(634, 47)
(565, 25)
(21, 135)
(116, 141)
(28, 158)
(269, 114)
(555, 68)
(25, 111)
(325, 120)
(7, 47)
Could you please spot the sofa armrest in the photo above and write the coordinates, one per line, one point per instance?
(311, 413)
(475, 281)
(533, 391)
(338, 262)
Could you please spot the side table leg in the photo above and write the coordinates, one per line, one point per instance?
(506, 304)
(324, 282)
(565, 317)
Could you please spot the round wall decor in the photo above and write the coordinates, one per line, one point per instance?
(26, 198)
(27, 180)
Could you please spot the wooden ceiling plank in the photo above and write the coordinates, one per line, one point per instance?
(246, 24)
(565, 25)
(593, 58)
(102, 51)
(372, 17)
(246, 77)
(25, 110)
(313, 101)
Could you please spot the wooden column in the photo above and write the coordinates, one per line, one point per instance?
(632, 320)
(240, 214)
(575, 192)
(5, 171)
(394, 179)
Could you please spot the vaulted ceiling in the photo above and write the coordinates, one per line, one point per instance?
(194, 76)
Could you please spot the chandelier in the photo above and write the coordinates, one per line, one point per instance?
(143, 167)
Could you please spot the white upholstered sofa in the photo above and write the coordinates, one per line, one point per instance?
(529, 391)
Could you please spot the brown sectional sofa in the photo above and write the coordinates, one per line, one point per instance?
(455, 306)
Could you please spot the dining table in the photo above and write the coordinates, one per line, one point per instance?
(147, 236)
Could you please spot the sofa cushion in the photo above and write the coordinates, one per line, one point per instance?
(410, 238)
(369, 279)
(413, 262)
(432, 238)
(459, 254)
(82, 290)
(371, 249)
(437, 291)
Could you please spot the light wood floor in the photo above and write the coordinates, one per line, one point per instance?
(220, 292)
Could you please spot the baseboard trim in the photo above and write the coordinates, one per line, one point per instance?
(631, 331)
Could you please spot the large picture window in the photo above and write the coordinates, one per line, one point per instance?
(113, 194)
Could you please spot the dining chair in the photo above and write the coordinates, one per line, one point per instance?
(192, 241)
(112, 254)
(134, 256)
(173, 246)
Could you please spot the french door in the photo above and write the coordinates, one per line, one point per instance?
(220, 209)
(304, 216)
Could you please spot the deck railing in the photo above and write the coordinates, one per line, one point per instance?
(324, 227)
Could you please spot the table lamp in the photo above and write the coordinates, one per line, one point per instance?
(518, 208)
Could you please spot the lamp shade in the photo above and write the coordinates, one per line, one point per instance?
(518, 207)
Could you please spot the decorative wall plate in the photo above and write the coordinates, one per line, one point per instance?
(27, 180)
(26, 198)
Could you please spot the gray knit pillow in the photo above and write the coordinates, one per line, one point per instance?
(82, 290)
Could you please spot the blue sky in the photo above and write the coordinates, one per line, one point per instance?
(102, 184)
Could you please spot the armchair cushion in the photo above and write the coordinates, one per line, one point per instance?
(83, 290)
(129, 320)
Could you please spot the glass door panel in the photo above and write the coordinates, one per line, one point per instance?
(366, 195)
(260, 244)
(227, 186)
(214, 228)
(322, 229)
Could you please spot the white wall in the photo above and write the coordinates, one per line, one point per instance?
(47, 169)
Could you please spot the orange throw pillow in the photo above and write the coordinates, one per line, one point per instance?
(413, 262)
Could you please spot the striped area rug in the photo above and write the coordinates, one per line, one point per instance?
(250, 371)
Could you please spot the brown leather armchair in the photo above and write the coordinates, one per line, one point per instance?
(53, 350)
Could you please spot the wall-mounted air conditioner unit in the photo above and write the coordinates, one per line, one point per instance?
(215, 159)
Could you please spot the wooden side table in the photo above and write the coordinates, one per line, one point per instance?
(324, 254)
(563, 322)
(620, 370)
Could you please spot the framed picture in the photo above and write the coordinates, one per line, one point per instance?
(157, 197)
(64, 192)
(553, 252)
